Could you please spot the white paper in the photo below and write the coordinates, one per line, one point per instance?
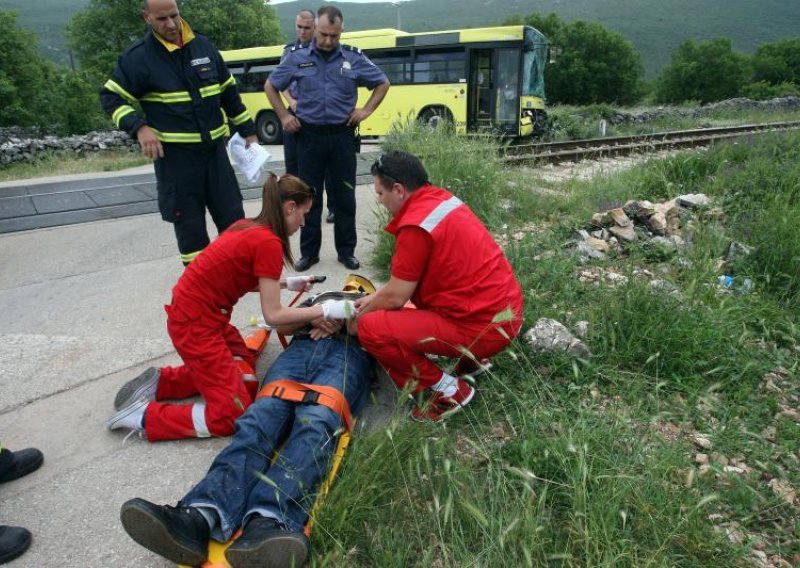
(250, 161)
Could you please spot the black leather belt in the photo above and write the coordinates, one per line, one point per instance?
(327, 128)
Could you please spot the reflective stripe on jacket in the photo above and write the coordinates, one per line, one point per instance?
(467, 276)
(182, 91)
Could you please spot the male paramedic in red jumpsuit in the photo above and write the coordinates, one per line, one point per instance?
(466, 297)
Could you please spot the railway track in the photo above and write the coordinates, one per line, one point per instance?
(576, 150)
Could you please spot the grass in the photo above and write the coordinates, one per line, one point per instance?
(568, 462)
(573, 123)
(63, 163)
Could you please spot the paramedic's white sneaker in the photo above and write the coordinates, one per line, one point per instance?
(143, 386)
(129, 417)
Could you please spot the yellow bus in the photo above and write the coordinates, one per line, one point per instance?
(479, 79)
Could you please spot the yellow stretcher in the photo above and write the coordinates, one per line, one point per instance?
(256, 342)
(216, 550)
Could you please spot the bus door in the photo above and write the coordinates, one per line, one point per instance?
(481, 90)
(494, 90)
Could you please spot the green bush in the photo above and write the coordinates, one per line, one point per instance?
(761, 90)
(706, 71)
(83, 113)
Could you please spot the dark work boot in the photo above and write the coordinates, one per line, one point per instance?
(178, 534)
(264, 543)
(14, 465)
(13, 542)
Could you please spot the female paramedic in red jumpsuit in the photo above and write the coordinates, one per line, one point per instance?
(247, 257)
(446, 262)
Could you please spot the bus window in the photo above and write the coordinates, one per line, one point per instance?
(396, 65)
(237, 70)
(507, 87)
(534, 58)
(440, 66)
(257, 75)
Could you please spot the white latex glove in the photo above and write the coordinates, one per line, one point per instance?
(299, 283)
(339, 309)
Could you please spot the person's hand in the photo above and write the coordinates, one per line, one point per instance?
(149, 142)
(250, 140)
(322, 328)
(357, 116)
(363, 302)
(290, 124)
(339, 309)
(299, 283)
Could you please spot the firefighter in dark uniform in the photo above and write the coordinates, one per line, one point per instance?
(179, 79)
(328, 76)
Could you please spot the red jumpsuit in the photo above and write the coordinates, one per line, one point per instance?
(467, 295)
(199, 324)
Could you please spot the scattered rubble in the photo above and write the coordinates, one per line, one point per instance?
(662, 223)
(702, 441)
(784, 490)
(550, 335)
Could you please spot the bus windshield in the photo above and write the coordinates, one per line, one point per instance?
(533, 61)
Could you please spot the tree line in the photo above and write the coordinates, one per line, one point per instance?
(591, 65)
(37, 93)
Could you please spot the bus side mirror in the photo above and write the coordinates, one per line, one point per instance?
(553, 52)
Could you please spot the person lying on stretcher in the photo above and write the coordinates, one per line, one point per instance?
(270, 499)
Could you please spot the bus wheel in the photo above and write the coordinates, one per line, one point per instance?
(436, 116)
(269, 129)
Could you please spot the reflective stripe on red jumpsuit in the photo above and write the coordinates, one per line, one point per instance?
(210, 348)
(467, 284)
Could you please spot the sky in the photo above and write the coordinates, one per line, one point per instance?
(357, 1)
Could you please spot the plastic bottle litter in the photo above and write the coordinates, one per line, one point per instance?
(727, 282)
(745, 287)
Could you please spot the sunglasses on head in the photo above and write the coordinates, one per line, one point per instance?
(379, 167)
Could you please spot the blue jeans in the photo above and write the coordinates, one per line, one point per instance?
(243, 480)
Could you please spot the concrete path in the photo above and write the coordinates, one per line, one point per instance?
(81, 312)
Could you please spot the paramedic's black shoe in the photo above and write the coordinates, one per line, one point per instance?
(178, 534)
(264, 543)
(350, 262)
(13, 542)
(14, 465)
(143, 386)
(330, 218)
(305, 263)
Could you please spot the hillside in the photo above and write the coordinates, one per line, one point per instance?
(48, 18)
(654, 27)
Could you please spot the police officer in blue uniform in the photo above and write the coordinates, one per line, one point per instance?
(328, 76)
(304, 28)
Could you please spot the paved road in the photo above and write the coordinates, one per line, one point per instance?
(35, 204)
(80, 314)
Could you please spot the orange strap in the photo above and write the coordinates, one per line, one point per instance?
(301, 392)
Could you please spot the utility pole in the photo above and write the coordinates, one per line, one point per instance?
(396, 4)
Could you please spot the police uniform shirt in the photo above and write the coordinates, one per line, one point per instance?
(287, 49)
(327, 89)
